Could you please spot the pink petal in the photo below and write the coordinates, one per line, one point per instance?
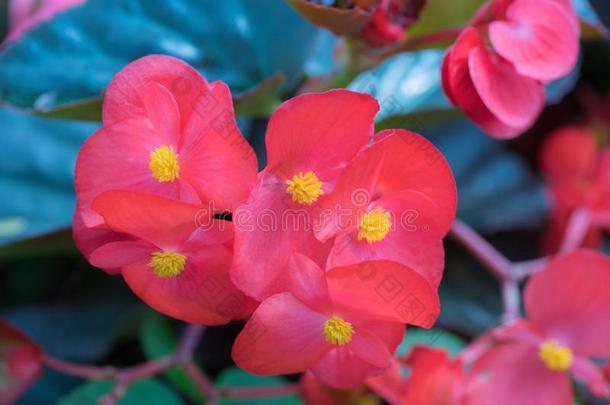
(413, 240)
(218, 161)
(458, 85)
(427, 171)
(539, 37)
(123, 100)
(26, 14)
(160, 109)
(342, 368)
(202, 293)
(390, 384)
(588, 373)
(308, 283)
(513, 374)
(570, 301)
(118, 254)
(319, 132)
(283, 337)
(89, 239)
(163, 222)
(435, 378)
(384, 290)
(515, 100)
(569, 152)
(269, 229)
(375, 342)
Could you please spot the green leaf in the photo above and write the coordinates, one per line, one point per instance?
(149, 392)
(36, 175)
(234, 377)
(261, 100)
(432, 338)
(438, 15)
(157, 339)
(87, 110)
(73, 56)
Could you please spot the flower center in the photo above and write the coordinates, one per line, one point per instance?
(164, 164)
(304, 188)
(167, 264)
(555, 356)
(375, 225)
(338, 331)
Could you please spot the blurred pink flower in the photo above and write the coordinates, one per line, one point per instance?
(25, 14)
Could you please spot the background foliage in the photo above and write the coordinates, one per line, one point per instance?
(51, 84)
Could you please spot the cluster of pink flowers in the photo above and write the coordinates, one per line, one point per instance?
(528, 361)
(328, 251)
(501, 87)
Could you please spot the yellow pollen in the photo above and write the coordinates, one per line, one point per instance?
(164, 164)
(304, 188)
(375, 225)
(338, 331)
(555, 356)
(167, 264)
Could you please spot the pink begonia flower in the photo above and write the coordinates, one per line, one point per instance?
(568, 324)
(577, 174)
(311, 328)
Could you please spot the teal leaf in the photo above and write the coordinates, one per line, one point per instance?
(432, 338)
(496, 188)
(149, 392)
(73, 56)
(36, 175)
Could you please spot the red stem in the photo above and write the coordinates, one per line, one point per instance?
(79, 370)
(205, 385)
(575, 233)
(261, 392)
(488, 255)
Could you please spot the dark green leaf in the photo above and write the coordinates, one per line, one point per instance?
(261, 100)
(149, 392)
(82, 328)
(158, 339)
(87, 110)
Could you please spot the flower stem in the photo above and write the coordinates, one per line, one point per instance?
(575, 233)
(261, 392)
(488, 255)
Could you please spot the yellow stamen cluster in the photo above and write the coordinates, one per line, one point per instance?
(555, 356)
(167, 264)
(375, 225)
(164, 164)
(304, 188)
(338, 331)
